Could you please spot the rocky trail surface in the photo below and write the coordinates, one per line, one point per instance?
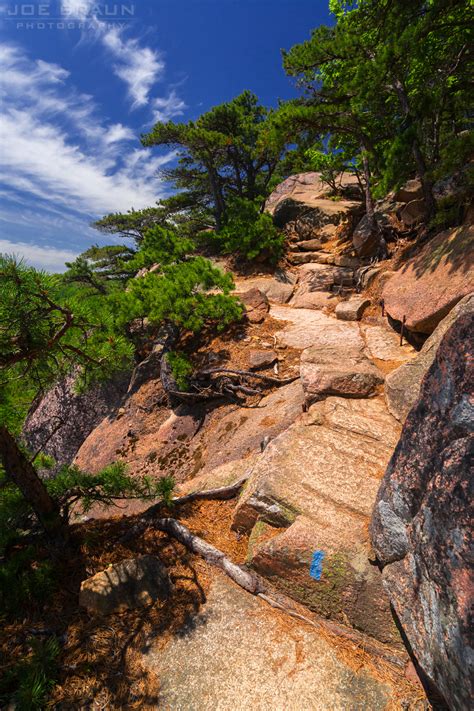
(308, 459)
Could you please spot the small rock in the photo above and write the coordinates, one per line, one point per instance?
(262, 359)
(353, 309)
(256, 305)
(135, 582)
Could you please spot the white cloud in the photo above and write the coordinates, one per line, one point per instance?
(167, 108)
(40, 149)
(48, 258)
(139, 67)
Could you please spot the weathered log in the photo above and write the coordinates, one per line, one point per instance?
(245, 578)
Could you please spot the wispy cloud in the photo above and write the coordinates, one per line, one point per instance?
(138, 66)
(166, 108)
(41, 153)
(47, 258)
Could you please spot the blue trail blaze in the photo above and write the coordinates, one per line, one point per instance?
(316, 567)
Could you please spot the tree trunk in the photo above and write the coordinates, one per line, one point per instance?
(420, 162)
(369, 201)
(22, 473)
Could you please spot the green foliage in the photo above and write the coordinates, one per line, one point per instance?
(73, 488)
(190, 294)
(42, 336)
(134, 223)
(25, 578)
(28, 682)
(249, 232)
(181, 368)
(221, 156)
(388, 81)
(162, 246)
(100, 267)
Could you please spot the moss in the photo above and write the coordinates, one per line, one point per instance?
(260, 532)
(323, 596)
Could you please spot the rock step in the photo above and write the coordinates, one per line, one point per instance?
(311, 257)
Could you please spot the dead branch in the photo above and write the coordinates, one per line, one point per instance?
(222, 494)
(244, 578)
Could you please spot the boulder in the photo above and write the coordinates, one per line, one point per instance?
(60, 421)
(262, 359)
(336, 364)
(352, 309)
(236, 652)
(422, 523)
(366, 242)
(307, 299)
(306, 188)
(413, 213)
(277, 289)
(412, 190)
(402, 386)
(429, 284)
(318, 483)
(256, 304)
(132, 583)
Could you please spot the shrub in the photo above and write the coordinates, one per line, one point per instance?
(26, 685)
(181, 369)
(250, 233)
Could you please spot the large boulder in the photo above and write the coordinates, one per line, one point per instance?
(305, 198)
(427, 287)
(422, 523)
(402, 386)
(336, 364)
(59, 422)
(135, 582)
(315, 486)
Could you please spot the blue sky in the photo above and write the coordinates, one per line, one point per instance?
(80, 80)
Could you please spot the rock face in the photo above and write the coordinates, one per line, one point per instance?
(62, 419)
(336, 364)
(238, 653)
(352, 309)
(430, 284)
(135, 582)
(422, 523)
(402, 387)
(318, 482)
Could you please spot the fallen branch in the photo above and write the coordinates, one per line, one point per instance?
(223, 493)
(245, 578)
